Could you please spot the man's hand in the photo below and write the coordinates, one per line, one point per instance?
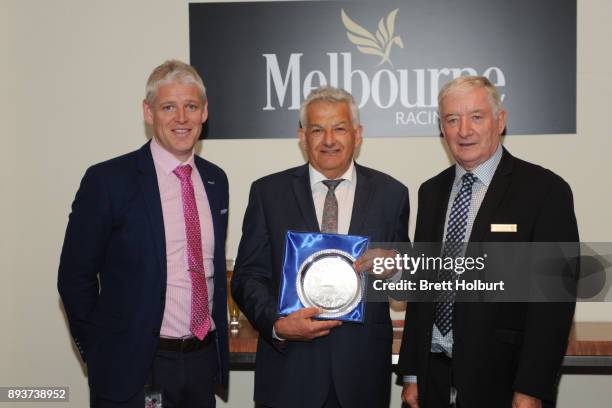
(365, 263)
(525, 401)
(410, 395)
(300, 325)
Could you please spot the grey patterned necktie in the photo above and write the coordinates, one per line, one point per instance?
(453, 247)
(329, 222)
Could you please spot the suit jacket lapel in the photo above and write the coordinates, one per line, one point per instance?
(441, 205)
(212, 191)
(494, 196)
(363, 192)
(150, 191)
(303, 196)
(434, 234)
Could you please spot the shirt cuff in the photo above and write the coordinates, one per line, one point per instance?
(275, 337)
(395, 277)
(410, 379)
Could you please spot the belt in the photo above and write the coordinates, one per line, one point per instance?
(186, 345)
(441, 356)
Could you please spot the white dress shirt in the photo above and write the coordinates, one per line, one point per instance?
(345, 194)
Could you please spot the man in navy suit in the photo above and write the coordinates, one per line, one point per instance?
(481, 355)
(142, 271)
(303, 362)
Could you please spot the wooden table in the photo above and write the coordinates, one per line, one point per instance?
(590, 345)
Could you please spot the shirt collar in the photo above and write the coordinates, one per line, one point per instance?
(165, 160)
(317, 177)
(485, 171)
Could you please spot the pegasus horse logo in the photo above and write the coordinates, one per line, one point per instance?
(367, 43)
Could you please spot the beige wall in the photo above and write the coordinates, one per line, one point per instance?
(8, 170)
(72, 78)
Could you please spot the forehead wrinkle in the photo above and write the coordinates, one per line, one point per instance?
(464, 107)
(342, 122)
(477, 110)
(172, 100)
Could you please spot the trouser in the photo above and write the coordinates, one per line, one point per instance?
(330, 402)
(439, 382)
(186, 380)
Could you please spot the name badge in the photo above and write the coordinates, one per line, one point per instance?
(504, 228)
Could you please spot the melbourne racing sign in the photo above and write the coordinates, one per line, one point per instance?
(260, 60)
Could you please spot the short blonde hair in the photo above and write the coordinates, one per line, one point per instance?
(173, 71)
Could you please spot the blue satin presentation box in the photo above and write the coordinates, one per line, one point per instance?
(317, 271)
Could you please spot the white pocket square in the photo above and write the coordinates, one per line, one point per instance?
(223, 211)
(504, 228)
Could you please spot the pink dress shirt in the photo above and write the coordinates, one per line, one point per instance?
(177, 312)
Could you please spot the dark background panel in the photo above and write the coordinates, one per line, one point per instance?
(532, 43)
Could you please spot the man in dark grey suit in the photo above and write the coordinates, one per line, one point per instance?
(303, 362)
(486, 354)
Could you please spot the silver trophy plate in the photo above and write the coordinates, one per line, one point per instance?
(328, 281)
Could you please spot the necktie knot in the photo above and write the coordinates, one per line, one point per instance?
(332, 184)
(468, 179)
(183, 172)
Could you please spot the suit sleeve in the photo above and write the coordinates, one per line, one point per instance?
(253, 280)
(87, 234)
(548, 323)
(408, 351)
(401, 229)
(401, 242)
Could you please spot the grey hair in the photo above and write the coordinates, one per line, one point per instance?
(329, 94)
(173, 71)
(468, 82)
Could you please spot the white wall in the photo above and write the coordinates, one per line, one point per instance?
(73, 74)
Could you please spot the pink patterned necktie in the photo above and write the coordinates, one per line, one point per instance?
(200, 315)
